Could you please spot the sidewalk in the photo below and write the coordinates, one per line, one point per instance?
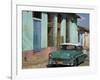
(36, 59)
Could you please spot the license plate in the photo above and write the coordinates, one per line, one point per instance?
(59, 62)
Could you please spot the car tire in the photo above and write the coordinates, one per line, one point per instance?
(76, 62)
(49, 65)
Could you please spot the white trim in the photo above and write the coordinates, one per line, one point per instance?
(37, 19)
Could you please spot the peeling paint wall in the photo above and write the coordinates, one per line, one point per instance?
(27, 31)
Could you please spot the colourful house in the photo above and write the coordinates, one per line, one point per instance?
(84, 36)
(48, 29)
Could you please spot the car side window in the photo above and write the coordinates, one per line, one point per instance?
(63, 47)
(79, 47)
(70, 47)
(67, 47)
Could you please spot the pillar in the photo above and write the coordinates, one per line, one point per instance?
(63, 28)
(44, 30)
(55, 29)
(73, 32)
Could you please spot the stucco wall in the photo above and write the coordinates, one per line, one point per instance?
(27, 31)
(86, 40)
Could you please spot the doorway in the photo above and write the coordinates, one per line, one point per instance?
(37, 35)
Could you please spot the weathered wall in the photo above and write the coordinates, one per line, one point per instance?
(27, 31)
(86, 40)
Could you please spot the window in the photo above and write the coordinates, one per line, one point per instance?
(37, 15)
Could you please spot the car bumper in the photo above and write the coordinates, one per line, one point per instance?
(59, 65)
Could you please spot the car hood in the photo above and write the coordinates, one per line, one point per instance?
(65, 54)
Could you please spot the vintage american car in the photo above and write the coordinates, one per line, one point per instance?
(68, 55)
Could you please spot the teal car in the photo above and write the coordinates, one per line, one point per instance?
(68, 55)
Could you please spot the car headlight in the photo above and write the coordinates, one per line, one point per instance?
(72, 62)
(50, 54)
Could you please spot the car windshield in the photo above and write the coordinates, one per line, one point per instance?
(70, 47)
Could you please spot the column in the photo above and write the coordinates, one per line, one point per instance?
(55, 29)
(63, 28)
(73, 32)
(44, 30)
(27, 31)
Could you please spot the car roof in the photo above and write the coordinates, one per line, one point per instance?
(70, 44)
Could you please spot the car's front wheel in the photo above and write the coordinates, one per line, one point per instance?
(76, 62)
(50, 61)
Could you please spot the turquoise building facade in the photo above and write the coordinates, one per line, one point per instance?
(27, 31)
(37, 26)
